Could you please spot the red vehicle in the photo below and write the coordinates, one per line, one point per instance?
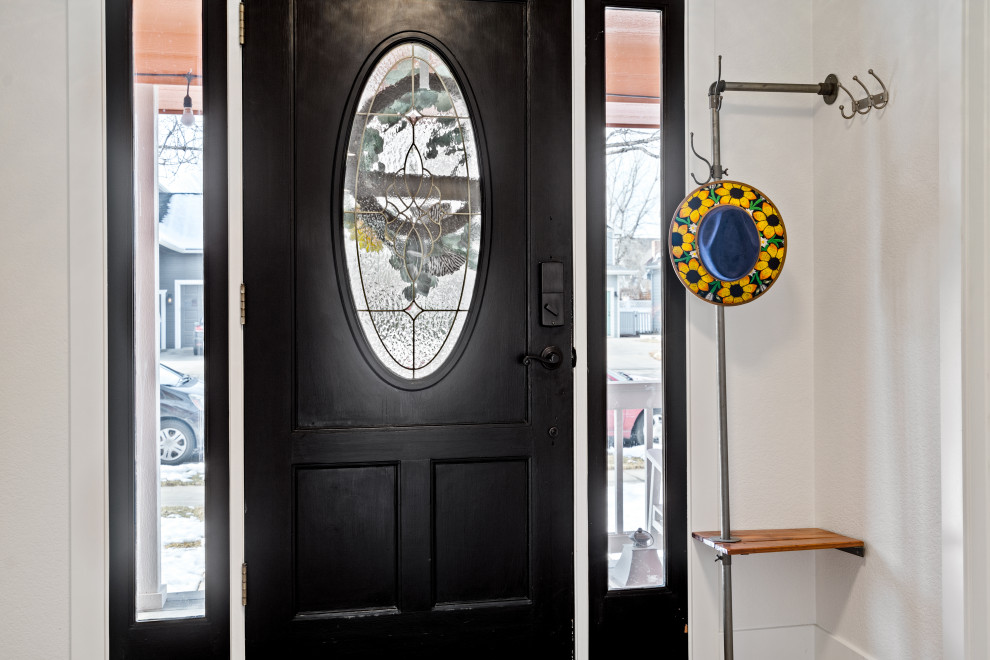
(632, 420)
(198, 338)
(632, 425)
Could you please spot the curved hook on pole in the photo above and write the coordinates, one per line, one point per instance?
(707, 162)
(865, 103)
(855, 103)
(879, 100)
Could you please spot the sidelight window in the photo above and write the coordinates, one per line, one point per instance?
(168, 309)
(635, 261)
(166, 326)
(636, 324)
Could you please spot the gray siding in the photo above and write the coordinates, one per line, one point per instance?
(175, 266)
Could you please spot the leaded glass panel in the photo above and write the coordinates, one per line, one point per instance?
(412, 210)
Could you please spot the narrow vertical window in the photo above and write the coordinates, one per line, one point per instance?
(166, 148)
(637, 459)
(169, 305)
(635, 259)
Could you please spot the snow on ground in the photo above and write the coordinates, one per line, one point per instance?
(184, 569)
(181, 530)
(184, 472)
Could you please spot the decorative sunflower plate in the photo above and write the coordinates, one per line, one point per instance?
(727, 243)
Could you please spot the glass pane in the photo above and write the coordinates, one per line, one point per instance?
(170, 474)
(412, 210)
(635, 260)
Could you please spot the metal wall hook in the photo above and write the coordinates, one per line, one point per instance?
(855, 103)
(879, 100)
(711, 170)
(864, 103)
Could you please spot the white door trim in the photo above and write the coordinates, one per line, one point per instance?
(964, 325)
(88, 634)
(235, 274)
(580, 331)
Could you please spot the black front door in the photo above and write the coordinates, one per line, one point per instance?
(407, 240)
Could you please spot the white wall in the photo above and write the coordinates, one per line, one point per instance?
(877, 415)
(835, 386)
(34, 330)
(767, 142)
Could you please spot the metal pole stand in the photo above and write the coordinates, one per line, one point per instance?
(723, 473)
(725, 528)
(828, 90)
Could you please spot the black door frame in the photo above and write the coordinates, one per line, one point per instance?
(208, 636)
(621, 614)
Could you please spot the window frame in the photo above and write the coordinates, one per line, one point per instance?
(621, 614)
(207, 636)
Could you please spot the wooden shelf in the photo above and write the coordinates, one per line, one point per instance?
(754, 541)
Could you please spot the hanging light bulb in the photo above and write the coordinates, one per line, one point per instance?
(187, 112)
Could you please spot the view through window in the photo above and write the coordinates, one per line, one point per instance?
(169, 441)
(635, 259)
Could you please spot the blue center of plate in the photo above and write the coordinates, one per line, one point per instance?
(728, 242)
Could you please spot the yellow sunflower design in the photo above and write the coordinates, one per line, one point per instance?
(768, 222)
(740, 291)
(696, 206)
(739, 194)
(770, 263)
(681, 241)
(692, 241)
(695, 276)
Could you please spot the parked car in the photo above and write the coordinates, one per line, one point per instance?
(181, 401)
(632, 420)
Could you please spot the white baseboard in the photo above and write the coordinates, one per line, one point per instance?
(785, 643)
(830, 647)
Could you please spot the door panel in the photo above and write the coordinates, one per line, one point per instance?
(385, 514)
(473, 36)
(346, 516)
(481, 545)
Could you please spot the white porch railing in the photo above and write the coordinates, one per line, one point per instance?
(634, 322)
(637, 395)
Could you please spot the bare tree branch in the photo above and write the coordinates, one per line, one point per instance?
(632, 179)
(623, 140)
(178, 145)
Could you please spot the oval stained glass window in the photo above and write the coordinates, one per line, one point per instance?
(412, 210)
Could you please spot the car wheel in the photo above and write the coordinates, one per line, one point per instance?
(636, 436)
(176, 442)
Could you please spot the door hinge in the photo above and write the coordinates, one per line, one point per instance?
(243, 313)
(244, 583)
(240, 23)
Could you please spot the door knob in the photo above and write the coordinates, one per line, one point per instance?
(550, 358)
